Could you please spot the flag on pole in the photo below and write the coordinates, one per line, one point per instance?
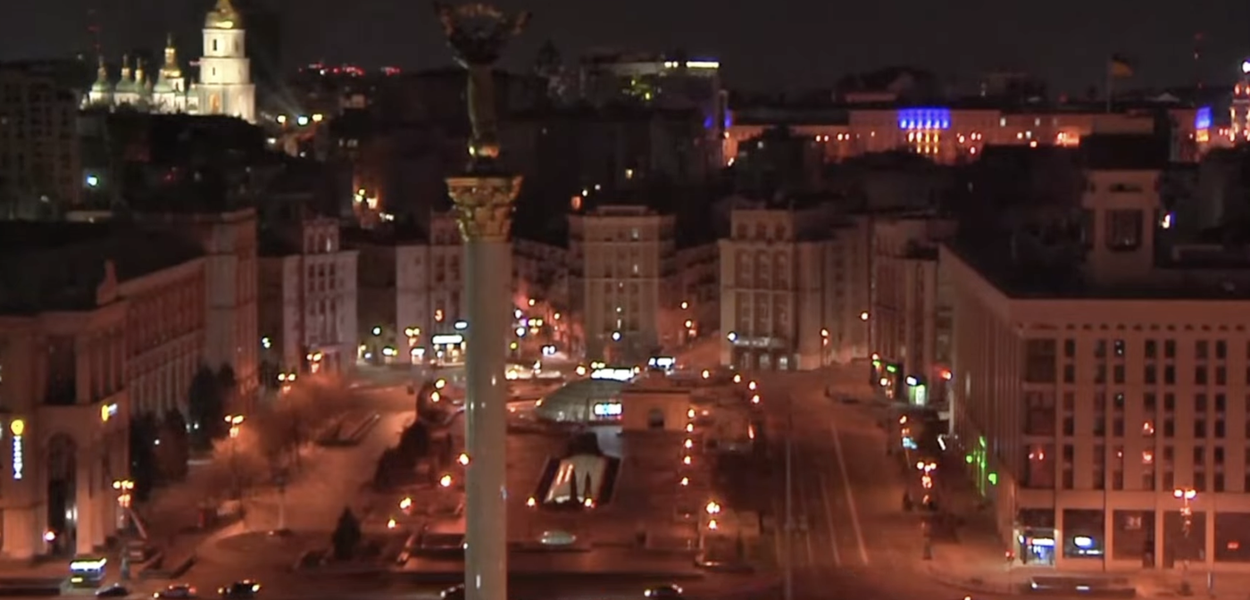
(1119, 67)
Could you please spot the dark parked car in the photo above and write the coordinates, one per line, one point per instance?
(116, 590)
(240, 589)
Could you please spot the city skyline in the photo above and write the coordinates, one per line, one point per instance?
(1066, 45)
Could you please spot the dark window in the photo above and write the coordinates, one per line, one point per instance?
(1039, 361)
(1123, 229)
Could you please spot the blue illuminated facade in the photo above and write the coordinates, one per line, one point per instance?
(910, 119)
(1202, 119)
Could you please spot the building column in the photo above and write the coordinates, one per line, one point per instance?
(1160, 535)
(84, 505)
(484, 213)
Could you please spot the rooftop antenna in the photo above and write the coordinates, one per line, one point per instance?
(94, 29)
(1199, 40)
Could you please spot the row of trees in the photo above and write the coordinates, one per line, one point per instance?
(267, 445)
(161, 443)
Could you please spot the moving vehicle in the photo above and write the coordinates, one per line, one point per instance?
(240, 589)
(178, 591)
(670, 590)
(116, 590)
(455, 592)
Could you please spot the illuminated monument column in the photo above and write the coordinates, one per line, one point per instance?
(483, 196)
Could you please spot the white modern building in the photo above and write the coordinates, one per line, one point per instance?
(1103, 407)
(308, 301)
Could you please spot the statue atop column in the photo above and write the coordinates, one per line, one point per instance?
(477, 34)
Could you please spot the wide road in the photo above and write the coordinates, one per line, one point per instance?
(850, 532)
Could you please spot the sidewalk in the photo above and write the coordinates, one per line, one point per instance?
(971, 556)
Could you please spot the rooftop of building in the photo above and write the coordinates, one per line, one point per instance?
(1058, 275)
(58, 266)
(826, 110)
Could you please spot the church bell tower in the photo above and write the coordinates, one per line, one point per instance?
(225, 86)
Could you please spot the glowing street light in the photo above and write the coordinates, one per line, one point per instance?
(689, 443)
(391, 524)
(685, 481)
(751, 385)
(737, 378)
(712, 524)
(405, 504)
(706, 374)
(235, 421)
(755, 399)
(712, 508)
(463, 459)
(531, 502)
(689, 427)
(863, 316)
(690, 413)
(444, 481)
(123, 487)
(686, 460)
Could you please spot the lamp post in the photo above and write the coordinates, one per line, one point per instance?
(235, 422)
(789, 574)
(1186, 496)
(124, 488)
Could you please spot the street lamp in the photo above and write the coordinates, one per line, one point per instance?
(235, 421)
(463, 459)
(124, 488)
(1186, 496)
(444, 481)
(712, 508)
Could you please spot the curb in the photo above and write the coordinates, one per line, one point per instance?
(966, 584)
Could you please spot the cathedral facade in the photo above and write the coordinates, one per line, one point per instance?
(224, 85)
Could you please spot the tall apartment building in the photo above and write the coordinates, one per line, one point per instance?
(1105, 414)
(229, 241)
(98, 323)
(415, 308)
(848, 277)
(308, 300)
(622, 275)
(910, 320)
(794, 286)
(698, 291)
(40, 159)
(773, 301)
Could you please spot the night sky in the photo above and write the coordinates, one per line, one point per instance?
(791, 43)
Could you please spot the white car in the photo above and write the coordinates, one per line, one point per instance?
(557, 538)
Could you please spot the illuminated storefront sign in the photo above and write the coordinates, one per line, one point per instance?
(18, 427)
(607, 410)
(453, 338)
(613, 374)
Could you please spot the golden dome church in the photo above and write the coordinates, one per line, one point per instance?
(224, 87)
